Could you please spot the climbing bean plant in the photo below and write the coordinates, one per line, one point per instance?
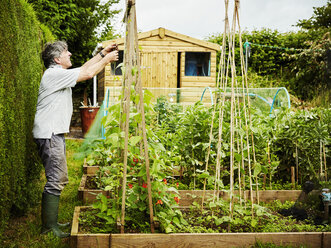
(164, 197)
(278, 140)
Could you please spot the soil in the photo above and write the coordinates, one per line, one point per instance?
(91, 183)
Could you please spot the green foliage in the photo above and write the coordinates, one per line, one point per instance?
(180, 139)
(306, 130)
(185, 136)
(79, 22)
(21, 68)
(311, 71)
(109, 154)
(295, 60)
(24, 231)
(320, 19)
(269, 55)
(260, 244)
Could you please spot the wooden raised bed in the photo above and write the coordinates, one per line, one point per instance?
(90, 170)
(89, 195)
(187, 197)
(93, 169)
(194, 240)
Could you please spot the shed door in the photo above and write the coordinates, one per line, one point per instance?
(159, 69)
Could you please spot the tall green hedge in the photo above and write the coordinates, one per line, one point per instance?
(21, 40)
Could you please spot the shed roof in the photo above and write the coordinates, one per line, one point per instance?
(162, 32)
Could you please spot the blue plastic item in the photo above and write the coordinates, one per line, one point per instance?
(105, 112)
(211, 95)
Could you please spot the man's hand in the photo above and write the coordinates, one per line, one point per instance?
(97, 63)
(111, 48)
(112, 56)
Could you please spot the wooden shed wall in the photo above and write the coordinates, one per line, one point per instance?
(159, 60)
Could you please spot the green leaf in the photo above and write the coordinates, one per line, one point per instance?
(108, 188)
(172, 189)
(218, 221)
(134, 71)
(203, 175)
(177, 222)
(237, 157)
(212, 205)
(254, 222)
(257, 169)
(134, 140)
(168, 229)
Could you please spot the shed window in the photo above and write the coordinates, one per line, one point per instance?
(197, 64)
(115, 70)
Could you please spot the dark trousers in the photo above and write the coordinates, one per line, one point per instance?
(53, 156)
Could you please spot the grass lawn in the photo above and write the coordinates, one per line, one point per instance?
(24, 232)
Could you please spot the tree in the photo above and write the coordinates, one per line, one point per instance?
(312, 75)
(269, 56)
(312, 66)
(321, 19)
(82, 23)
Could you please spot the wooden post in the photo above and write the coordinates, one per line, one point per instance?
(325, 169)
(269, 162)
(131, 61)
(246, 110)
(143, 124)
(293, 177)
(297, 162)
(126, 103)
(321, 161)
(264, 180)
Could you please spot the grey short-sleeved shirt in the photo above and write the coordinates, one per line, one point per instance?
(54, 106)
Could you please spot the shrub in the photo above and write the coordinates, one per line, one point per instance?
(21, 39)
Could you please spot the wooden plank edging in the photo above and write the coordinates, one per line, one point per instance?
(187, 197)
(194, 240)
(87, 195)
(90, 170)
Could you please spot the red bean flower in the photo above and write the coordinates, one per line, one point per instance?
(130, 185)
(177, 185)
(135, 160)
(145, 185)
(165, 181)
(159, 202)
(176, 199)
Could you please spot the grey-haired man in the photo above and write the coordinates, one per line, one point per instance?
(52, 120)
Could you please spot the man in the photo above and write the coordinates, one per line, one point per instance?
(52, 120)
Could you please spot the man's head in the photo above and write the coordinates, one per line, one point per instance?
(56, 53)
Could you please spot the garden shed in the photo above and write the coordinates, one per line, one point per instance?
(172, 64)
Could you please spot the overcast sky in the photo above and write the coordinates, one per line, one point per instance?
(202, 18)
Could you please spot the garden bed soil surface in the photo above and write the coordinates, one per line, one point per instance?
(193, 240)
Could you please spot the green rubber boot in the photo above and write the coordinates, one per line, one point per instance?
(63, 224)
(49, 214)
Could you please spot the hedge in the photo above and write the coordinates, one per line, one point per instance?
(21, 40)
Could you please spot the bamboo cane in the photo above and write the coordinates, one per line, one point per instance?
(292, 177)
(220, 81)
(245, 110)
(126, 106)
(143, 124)
(325, 169)
(297, 162)
(233, 76)
(269, 161)
(321, 160)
